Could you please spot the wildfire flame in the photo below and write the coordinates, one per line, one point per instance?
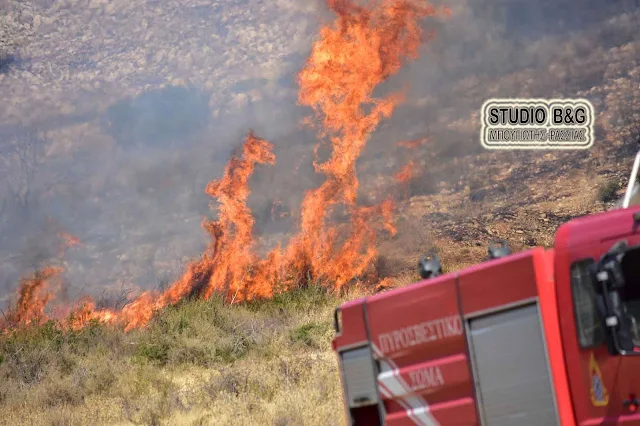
(363, 47)
(414, 143)
(405, 175)
(67, 241)
(34, 293)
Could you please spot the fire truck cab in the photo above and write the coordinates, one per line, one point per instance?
(536, 338)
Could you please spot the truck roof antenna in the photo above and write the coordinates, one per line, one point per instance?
(632, 182)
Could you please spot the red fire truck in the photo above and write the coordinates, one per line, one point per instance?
(536, 338)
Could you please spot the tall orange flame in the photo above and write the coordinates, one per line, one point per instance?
(362, 49)
(34, 293)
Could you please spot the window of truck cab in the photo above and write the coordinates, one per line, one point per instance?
(589, 322)
(588, 319)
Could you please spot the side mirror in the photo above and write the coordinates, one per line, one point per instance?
(337, 317)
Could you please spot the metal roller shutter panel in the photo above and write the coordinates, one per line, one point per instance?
(359, 376)
(512, 369)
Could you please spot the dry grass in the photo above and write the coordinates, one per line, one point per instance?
(199, 363)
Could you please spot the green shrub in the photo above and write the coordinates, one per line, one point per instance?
(153, 352)
(608, 191)
(310, 334)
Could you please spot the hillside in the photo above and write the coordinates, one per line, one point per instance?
(125, 124)
(117, 123)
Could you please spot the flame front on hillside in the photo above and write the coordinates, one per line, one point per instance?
(351, 58)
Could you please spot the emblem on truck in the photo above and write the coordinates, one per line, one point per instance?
(599, 393)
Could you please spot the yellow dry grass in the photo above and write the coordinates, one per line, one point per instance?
(199, 363)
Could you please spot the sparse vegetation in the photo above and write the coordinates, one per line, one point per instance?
(607, 192)
(200, 362)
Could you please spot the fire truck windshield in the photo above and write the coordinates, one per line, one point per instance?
(589, 318)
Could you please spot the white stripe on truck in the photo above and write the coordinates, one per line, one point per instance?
(392, 384)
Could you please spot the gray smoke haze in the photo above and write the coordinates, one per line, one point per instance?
(114, 115)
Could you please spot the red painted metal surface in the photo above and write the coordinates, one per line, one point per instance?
(418, 338)
(499, 282)
(408, 326)
(455, 413)
(581, 238)
(354, 331)
(547, 300)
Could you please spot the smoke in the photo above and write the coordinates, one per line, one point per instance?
(135, 107)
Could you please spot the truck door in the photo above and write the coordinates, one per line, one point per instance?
(603, 385)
